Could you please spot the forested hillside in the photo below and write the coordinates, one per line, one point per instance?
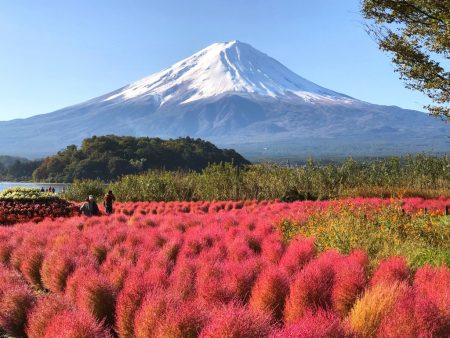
(109, 157)
(17, 168)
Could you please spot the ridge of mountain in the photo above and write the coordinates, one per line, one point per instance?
(233, 95)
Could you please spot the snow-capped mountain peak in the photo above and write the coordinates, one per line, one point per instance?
(225, 68)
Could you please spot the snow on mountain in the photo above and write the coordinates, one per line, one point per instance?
(234, 96)
(224, 68)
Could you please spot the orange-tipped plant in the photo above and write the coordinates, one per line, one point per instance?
(31, 267)
(56, 267)
(369, 311)
(269, 292)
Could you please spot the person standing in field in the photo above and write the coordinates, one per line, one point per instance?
(108, 201)
(90, 207)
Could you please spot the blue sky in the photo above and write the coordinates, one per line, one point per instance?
(57, 53)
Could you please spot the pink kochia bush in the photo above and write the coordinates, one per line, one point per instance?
(234, 320)
(42, 314)
(319, 324)
(207, 269)
(394, 269)
(69, 324)
(312, 287)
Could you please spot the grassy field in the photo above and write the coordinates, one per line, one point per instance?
(412, 176)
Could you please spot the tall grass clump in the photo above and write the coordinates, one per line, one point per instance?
(79, 190)
(410, 176)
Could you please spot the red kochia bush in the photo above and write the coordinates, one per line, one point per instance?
(391, 270)
(269, 292)
(272, 248)
(94, 293)
(14, 304)
(128, 302)
(401, 321)
(299, 252)
(56, 267)
(75, 324)
(236, 321)
(183, 279)
(211, 288)
(311, 288)
(46, 308)
(241, 276)
(184, 319)
(432, 308)
(151, 313)
(350, 281)
(31, 266)
(321, 324)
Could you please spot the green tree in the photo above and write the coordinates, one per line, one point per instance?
(417, 33)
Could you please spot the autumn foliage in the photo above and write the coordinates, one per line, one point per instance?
(221, 269)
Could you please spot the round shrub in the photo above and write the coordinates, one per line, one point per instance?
(270, 291)
(56, 268)
(14, 305)
(297, 255)
(391, 270)
(150, 314)
(236, 321)
(182, 320)
(42, 314)
(311, 289)
(319, 324)
(75, 324)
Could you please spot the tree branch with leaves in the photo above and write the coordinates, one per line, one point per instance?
(417, 33)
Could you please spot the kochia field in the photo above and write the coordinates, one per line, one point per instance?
(230, 269)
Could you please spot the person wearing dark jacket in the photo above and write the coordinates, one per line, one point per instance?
(108, 202)
(90, 207)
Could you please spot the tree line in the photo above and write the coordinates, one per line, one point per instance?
(419, 175)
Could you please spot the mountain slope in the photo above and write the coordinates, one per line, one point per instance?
(232, 94)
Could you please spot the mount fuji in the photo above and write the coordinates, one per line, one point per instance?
(235, 96)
